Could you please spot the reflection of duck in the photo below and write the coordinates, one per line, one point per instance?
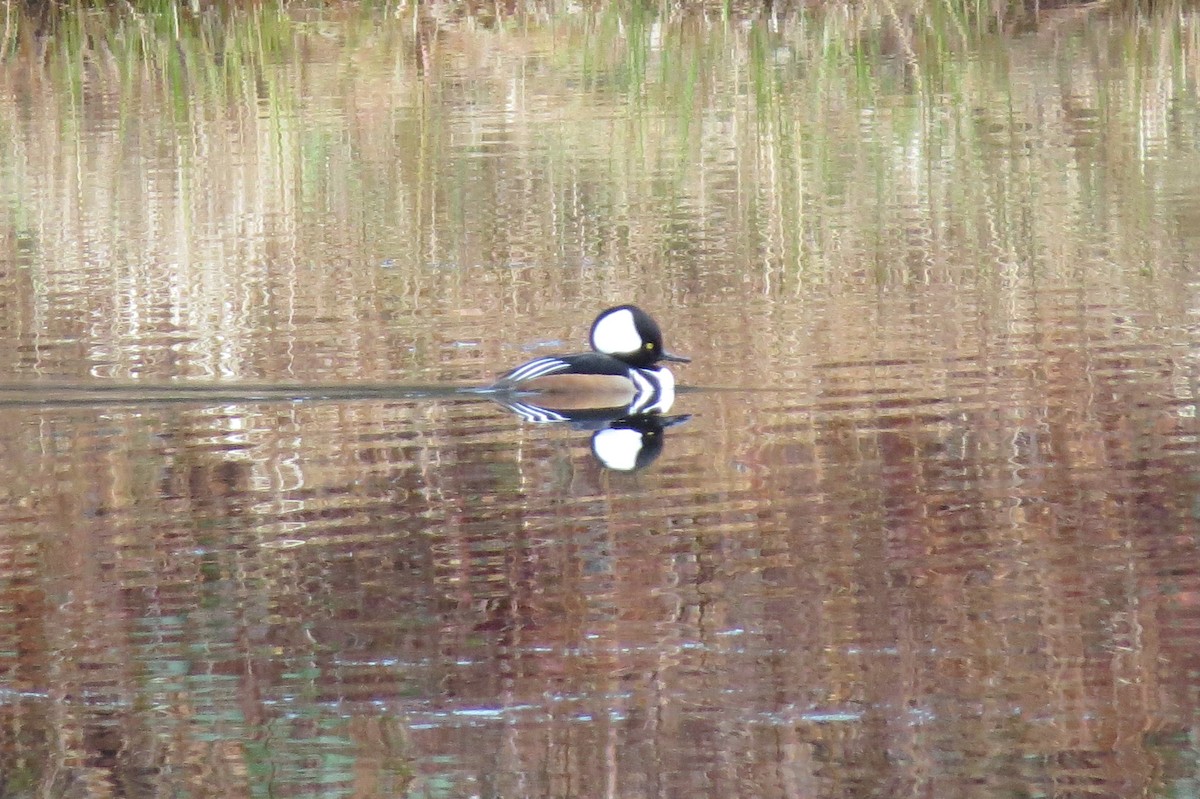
(633, 442)
(622, 440)
(621, 372)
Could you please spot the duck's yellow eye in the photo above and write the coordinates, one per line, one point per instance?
(649, 345)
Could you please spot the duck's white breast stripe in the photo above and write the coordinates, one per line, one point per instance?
(656, 390)
(646, 388)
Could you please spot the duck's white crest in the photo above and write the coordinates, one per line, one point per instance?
(618, 448)
(616, 333)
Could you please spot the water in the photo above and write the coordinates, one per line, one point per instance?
(923, 522)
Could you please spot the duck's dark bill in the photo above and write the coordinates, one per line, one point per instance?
(666, 356)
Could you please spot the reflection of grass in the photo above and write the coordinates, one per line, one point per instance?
(808, 120)
(639, 101)
(217, 54)
(633, 105)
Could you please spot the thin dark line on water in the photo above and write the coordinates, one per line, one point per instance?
(39, 394)
(735, 390)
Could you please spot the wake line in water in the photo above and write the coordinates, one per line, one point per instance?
(42, 394)
(55, 393)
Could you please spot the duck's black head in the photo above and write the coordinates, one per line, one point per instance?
(628, 333)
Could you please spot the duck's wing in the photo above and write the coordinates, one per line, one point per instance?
(584, 363)
(538, 367)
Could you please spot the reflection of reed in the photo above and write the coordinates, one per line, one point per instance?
(313, 205)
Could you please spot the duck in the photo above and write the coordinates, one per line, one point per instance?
(622, 370)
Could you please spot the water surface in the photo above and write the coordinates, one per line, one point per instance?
(930, 528)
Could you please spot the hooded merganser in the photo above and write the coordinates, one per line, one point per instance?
(621, 371)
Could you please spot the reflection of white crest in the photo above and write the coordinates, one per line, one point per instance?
(618, 448)
(616, 333)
